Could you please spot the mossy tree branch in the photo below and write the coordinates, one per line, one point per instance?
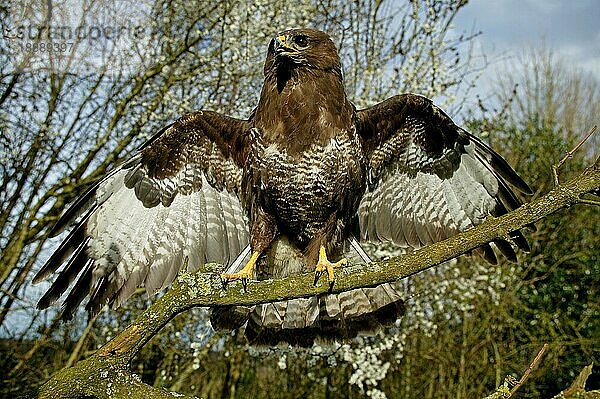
(106, 372)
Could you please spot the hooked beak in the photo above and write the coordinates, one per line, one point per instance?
(281, 46)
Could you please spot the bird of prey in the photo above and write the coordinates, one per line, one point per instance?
(306, 165)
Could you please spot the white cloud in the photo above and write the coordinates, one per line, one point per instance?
(511, 28)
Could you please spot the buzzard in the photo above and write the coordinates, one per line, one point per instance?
(306, 165)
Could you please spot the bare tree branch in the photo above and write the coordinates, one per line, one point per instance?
(534, 363)
(577, 388)
(107, 370)
(569, 154)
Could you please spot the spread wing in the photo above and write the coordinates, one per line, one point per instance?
(429, 179)
(177, 198)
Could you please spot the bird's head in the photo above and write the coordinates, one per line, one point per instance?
(297, 48)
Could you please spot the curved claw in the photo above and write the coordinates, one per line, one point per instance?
(318, 275)
(331, 284)
(224, 282)
(245, 274)
(324, 265)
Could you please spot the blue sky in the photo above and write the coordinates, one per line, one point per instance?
(570, 29)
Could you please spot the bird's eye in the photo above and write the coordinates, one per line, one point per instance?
(301, 41)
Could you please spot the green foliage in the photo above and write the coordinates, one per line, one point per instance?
(555, 293)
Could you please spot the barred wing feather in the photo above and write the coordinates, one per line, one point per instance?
(429, 179)
(176, 199)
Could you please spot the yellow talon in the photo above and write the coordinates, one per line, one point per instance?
(325, 265)
(245, 274)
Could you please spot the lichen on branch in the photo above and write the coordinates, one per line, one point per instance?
(106, 373)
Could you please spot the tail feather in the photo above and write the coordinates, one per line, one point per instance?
(302, 321)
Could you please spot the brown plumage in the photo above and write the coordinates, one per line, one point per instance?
(306, 166)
